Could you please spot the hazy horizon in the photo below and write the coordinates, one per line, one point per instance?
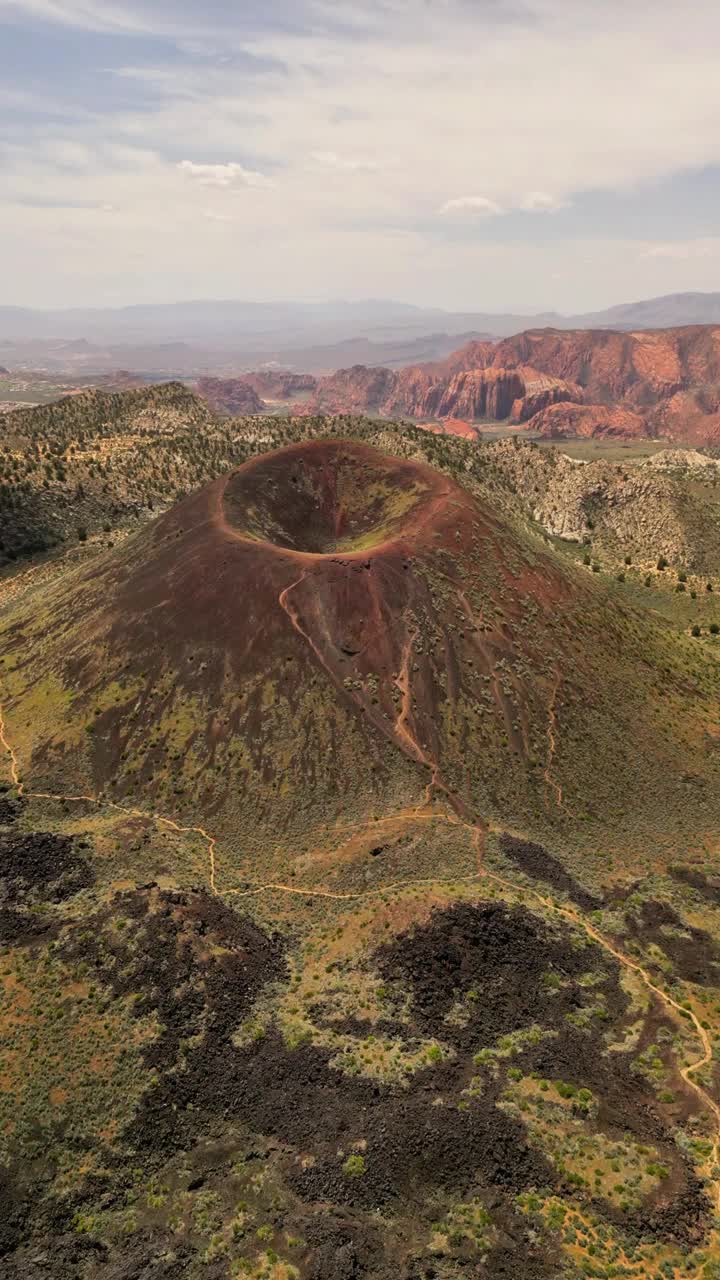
(329, 302)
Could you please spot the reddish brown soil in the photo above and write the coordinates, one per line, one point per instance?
(451, 427)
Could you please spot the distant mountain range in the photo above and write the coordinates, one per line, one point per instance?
(228, 336)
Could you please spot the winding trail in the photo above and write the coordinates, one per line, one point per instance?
(550, 781)
(104, 803)
(687, 1072)
(404, 687)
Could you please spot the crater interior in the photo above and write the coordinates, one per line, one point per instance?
(328, 497)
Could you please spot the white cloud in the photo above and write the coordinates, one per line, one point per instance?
(213, 215)
(222, 175)
(531, 202)
(90, 15)
(683, 250)
(541, 202)
(480, 205)
(330, 160)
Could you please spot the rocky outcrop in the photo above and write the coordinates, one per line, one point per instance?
(685, 461)
(641, 368)
(663, 383)
(414, 389)
(542, 392)
(421, 393)
(354, 390)
(644, 509)
(477, 354)
(692, 417)
(481, 393)
(229, 395)
(560, 421)
(280, 384)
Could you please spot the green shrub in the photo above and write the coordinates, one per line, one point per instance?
(565, 1090)
(355, 1167)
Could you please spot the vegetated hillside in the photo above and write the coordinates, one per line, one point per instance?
(94, 460)
(291, 989)
(584, 382)
(98, 463)
(361, 628)
(665, 507)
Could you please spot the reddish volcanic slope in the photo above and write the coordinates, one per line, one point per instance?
(323, 635)
(306, 574)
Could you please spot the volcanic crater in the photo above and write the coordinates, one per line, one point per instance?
(328, 498)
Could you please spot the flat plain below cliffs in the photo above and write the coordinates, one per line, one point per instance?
(555, 383)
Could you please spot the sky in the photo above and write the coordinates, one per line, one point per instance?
(485, 155)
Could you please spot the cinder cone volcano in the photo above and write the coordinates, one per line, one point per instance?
(327, 633)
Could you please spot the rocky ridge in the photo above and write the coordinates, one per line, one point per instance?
(554, 383)
(646, 510)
